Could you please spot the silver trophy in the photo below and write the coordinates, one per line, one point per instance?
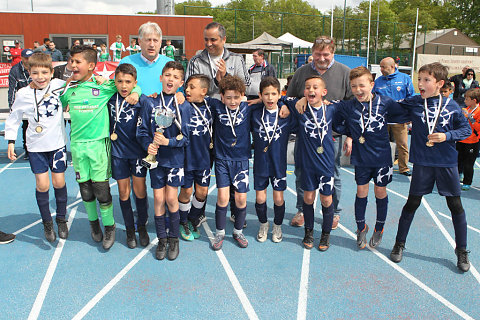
(164, 119)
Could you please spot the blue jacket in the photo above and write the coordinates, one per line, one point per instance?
(17, 79)
(397, 86)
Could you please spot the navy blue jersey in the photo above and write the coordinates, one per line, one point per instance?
(226, 145)
(173, 155)
(125, 125)
(197, 153)
(309, 138)
(375, 150)
(275, 157)
(451, 122)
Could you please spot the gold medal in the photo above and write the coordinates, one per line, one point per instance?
(211, 145)
(265, 149)
(180, 137)
(361, 139)
(113, 136)
(46, 95)
(38, 129)
(234, 143)
(429, 143)
(320, 150)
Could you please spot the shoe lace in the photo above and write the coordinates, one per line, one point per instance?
(463, 256)
(324, 238)
(218, 238)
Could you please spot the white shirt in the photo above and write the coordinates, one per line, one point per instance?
(148, 61)
(48, 116)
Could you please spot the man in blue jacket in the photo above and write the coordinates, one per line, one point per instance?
(398, 86)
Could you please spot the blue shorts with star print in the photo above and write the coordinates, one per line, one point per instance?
(55, 160)
(125, 168)
(200, 177)
(381, 176)
(312, 180)
(229, 172)
(162, 176)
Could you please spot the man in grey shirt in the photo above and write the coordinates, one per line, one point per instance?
(336, 77)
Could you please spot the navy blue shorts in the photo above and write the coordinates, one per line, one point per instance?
(200, 177)
(261, 183)
(381, 176)
(232, 173)
(125, 168)
(424, 178)
(161, 176)
(312, 181)
(55, 160)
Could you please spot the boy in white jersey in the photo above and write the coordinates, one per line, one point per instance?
(46, 139)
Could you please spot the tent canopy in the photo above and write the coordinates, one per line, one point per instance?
(296, 42)
(268, 39)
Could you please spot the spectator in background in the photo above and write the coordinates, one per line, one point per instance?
(75, 43)
(54, 52)
(257, 72)
(95, 47)
(309, 59)
(133, 48)
(44, 46)
(398, 86)
(169, 50)
(63, 71)
(103, 55)
(184, 61)
(19, 78)
(468, 82)
(36, 44)
(457, 81)
(284, 91)
(397, 60)
(16, 53)
(117, 48)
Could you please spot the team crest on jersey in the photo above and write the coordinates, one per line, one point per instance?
(139, 121)
(399, 88)
(95, 92)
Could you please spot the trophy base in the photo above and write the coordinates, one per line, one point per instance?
(149, 165)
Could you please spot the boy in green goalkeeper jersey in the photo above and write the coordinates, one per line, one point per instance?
(90, 141)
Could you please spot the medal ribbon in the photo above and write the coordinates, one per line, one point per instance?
(118, 111)
(37, 103)
(321, 133)
(232, 123)
(270, 138)
(205, 121)
(431, 125)
(178, 116)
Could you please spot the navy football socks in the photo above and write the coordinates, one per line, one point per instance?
(160, 227)
(220, 217)
(382, 209)
(61, 198)
(327, 218)
(360, 208)
(43, 206)
(127, 213)
(142, 210)
(261, 209)
(308, 215)
(174, 225)
(240, 216)
(279, 212)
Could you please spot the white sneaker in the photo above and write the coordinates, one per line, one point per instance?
(277, 233)
(262, 232)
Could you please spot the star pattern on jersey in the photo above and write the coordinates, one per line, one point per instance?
(49, 106)
(126, 114)
(381, 173)
(269, 125)
(311, 129)
(175, 172)
(59, 156)
(444, 118)
(324, 181)
(226, 122)
(276, 181)
(206, 175)
(198, 125)
(241, 177)
(375, 122)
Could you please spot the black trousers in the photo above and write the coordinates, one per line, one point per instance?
(467, 154)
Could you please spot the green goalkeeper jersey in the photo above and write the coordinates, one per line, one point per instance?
(88, 109)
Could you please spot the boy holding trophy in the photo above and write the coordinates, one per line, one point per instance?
(162, 131)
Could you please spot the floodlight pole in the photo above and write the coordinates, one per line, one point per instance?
(369, 23)
(378, 22)
(414, 46)
(331, 23)
(344, 15)
(31, 3)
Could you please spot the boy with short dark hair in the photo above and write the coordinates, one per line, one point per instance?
(117, 48)
(447, 90)
(90, 141)
(366, 123)
(436, 124)
(468, 148)
(169, 149)
(45, 138)
(198, 156)
(127, 153)
(270, 139)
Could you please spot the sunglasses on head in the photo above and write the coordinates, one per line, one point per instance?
(323, 40)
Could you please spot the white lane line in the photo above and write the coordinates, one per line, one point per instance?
(89, 306)
(8, 165)
(17, 168)
(447, 236)
(53, 214)
(42, 292)
(476, 162)
(412, 278)
(304, 275)
(450, 218)
(476, 188)
(247, 306)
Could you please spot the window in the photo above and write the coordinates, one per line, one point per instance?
(7, 42)
(64, 42)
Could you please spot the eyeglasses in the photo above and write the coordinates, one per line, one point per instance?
(323, 40)
(469, 74)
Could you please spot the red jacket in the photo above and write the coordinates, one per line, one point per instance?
(475, 126)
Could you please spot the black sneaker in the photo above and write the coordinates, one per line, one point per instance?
(96, 232)
(173, 248)
(308, 239)
(161, 250)
(6, 237)
(397, 252)
(324, 242)
(143, 236)
(62, 228)
(49, 232)
(406, 173)
(131, 238)
(462, 259)
(109, 238)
